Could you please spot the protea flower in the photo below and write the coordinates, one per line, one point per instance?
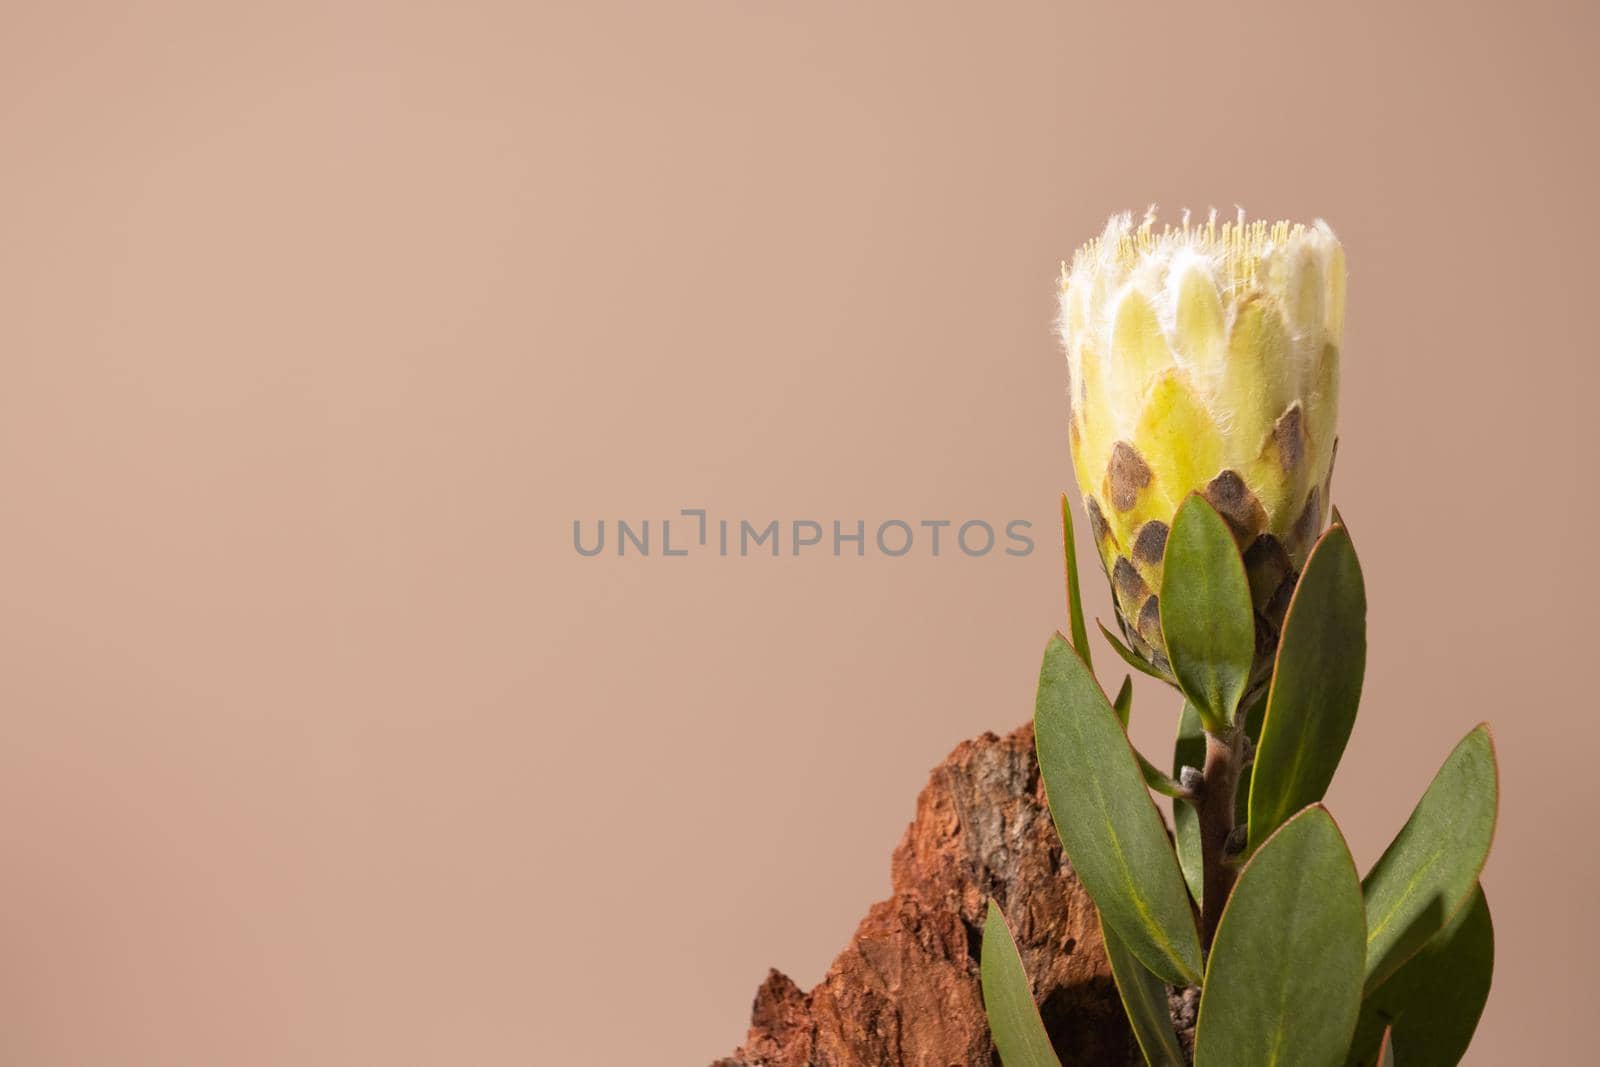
(1204, 358)
(1205, 364)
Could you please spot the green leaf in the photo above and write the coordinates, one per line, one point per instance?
(1428, 872)
(1283, 982)
(1154, 777)
(1128, 655)
(1433, 1002)
(1252, 714)
(1080, 632)
(1190, 751)
(1123, 705)
(1316, 685)
(1144, 998)
(1206, 614)
(1108, 824)
(1014, 1021)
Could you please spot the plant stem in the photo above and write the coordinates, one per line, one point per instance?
(1219, 785)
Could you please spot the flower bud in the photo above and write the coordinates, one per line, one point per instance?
(1204, 358)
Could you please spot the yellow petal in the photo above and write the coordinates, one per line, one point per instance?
(1307, 291)
(1199, 318)
(1284, 471)
(1092, 413)
(1254, 389)
(1181, 443)
(1322, 404)
(1334, 308)
(1138, 346)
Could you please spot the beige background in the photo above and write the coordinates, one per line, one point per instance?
(320, 324)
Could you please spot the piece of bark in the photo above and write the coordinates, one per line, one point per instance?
(905, 992)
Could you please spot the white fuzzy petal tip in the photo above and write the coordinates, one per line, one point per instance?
(1297, 268)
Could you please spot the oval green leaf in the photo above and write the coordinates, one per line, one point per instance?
(1252, 714)
(1128, 655)
(1190, 751)
(1080, 632)
(1206, 614)
(1156, 780)
(1283, 982)
(1123, 705)
(1428, 872)
(1433, 1002)
(1316, 686)
(1144, 998)
(1108, 824)
(1014, 1021)
(1154, 777)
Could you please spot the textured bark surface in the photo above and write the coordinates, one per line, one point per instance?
(905, 990)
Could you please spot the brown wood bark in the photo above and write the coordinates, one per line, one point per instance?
(905, 990)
